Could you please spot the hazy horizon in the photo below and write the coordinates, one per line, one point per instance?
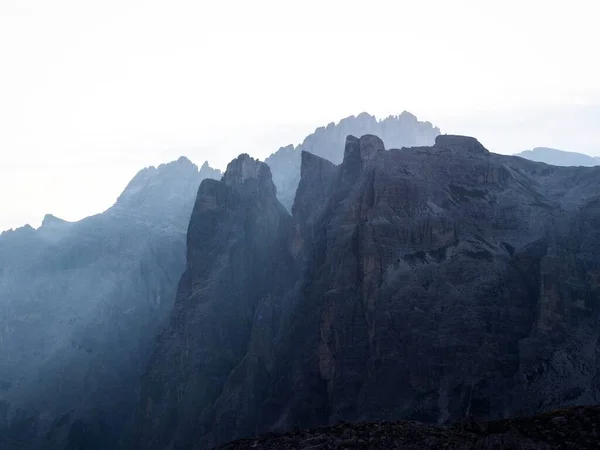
(91, 94)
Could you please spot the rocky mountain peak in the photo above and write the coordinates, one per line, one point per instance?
(369, 146)
(155, 188)
(208, 172)
(460, 143)
(244, 170)
(396, 131)
(237, 219)
(429, 283)
(184, 160)
(52, 221)
(357, 151)
(25, 229)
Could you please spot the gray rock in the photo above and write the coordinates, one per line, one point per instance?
(237, 267)
(80, 304)
(429, 283)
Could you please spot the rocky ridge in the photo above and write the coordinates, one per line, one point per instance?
(426, 283)
(403, 130)
(80, 304)
(237, 266)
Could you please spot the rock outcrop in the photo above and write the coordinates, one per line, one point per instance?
(429, 283)
(237, 269)
(80, 305)
(574, 428)
(327, 142)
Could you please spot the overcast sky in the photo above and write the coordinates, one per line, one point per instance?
(91, 92)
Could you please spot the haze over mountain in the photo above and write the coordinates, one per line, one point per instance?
(96, 88)
(403, 130)
(80, 304)
(101, 287)
(430, 283)
(326, 281)
(559, 157)
(574, 428)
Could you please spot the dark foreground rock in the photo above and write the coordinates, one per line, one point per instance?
(574, 428)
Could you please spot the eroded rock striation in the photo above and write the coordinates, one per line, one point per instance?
(237, 269)
(428, 283)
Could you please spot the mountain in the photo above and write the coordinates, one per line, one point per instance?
(328, 142)
(559, 157)
(80, 304)
(236, 259)
(427, 283)
(574, 428)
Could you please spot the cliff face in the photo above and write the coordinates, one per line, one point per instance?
(444, 282)
(431, 283)
(237, 267)
(327, 142)
(80, 304)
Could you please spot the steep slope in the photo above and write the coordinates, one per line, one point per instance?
(328, 142)
(443, 282)
(559, 157)
(236, 261)
(79, 306)
(430, 283)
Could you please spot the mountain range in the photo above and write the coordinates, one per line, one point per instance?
(80, 304)
(426, 283)
(403, 130)
(336, 281)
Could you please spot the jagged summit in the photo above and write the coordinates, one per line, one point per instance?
(51, 220)
(206, 171)
(328, 142)
(403, 130)
(179, 163)
(244, 170)
(235, 220)
(24, 229)
(154, 189)
(427, 283)
(184, 160)
(81, 305)
(365, 147)
(245, 167)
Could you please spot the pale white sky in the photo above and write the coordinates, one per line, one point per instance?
(91, 92)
